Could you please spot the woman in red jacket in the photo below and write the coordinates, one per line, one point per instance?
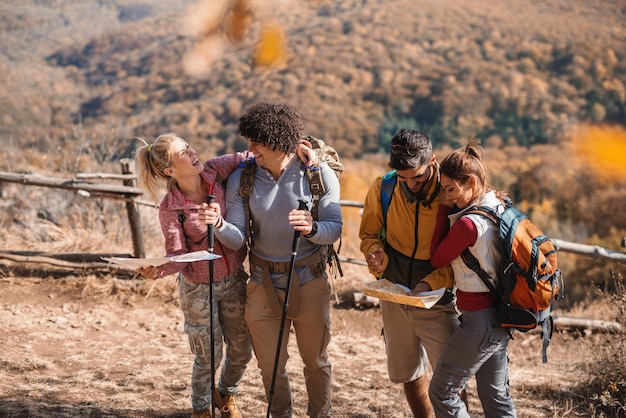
(479, 344)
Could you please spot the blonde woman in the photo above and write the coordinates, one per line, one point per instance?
(170, 163)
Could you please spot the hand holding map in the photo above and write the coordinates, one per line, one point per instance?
(135, 263)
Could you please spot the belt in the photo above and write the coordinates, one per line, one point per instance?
(313, 261)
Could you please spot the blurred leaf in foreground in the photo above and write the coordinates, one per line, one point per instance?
(220, 23)
(270, 49)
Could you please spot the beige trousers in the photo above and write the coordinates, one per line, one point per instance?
(312, 330)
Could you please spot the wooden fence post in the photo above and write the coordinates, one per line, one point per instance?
(134, 217)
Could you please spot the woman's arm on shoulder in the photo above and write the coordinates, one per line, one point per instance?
(227, 163)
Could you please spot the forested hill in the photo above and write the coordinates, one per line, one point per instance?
(518, 70)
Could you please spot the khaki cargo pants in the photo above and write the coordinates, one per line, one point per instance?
(230, 330)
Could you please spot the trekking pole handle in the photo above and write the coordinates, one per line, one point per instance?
(209, 199)
(302, 205)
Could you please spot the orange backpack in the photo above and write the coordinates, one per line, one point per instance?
(528, 276)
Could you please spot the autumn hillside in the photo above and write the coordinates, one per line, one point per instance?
(516, 71)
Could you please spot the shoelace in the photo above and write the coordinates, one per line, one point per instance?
(229, 404)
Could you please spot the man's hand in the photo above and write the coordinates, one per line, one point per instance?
(375, 260)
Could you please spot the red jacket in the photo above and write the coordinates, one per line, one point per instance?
(191, 235)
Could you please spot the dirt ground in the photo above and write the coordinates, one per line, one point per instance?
(87, 346)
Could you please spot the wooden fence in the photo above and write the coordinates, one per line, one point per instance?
(129, 193)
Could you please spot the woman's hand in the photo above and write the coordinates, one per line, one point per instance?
(210, 214)
(306, 154)
(150, 272)
(420, 287)
(301, 220)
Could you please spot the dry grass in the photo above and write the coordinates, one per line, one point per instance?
(89, 346)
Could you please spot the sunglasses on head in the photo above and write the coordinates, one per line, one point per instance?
(397, 149)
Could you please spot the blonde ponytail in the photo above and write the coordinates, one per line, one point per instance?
(152, 160)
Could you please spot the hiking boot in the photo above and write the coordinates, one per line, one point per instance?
(226, 404)
(201, 414)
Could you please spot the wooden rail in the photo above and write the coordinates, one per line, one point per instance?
(87, 188)
(127, 192)
(590, 250)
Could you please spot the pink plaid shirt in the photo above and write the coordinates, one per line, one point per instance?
(191, 235)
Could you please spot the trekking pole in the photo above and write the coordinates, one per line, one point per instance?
(209, 200)
(294, 253)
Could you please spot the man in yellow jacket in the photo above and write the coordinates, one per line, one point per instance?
(396, 245)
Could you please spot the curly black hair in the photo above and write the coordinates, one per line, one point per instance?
(273, 123)
(410, 149)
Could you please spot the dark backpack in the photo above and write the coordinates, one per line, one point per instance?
(528, 278)
(326, 154)
(386, 193)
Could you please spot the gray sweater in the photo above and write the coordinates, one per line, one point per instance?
(270, 204)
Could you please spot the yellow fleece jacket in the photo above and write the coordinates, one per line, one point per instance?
(401, 228)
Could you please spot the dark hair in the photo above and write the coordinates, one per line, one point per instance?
(466, 161)
(416, 150)
(273, 123)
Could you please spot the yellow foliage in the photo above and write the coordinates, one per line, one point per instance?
(546, 206)
(355, 182)
(603, 149)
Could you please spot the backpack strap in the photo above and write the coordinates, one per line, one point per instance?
(317, 187)
(472, 262)
(386, 194)
(246, 183)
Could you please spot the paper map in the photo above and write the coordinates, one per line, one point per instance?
(392, 292)
(135, 263)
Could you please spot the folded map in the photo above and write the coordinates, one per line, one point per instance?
(385, 290)
(135, 263)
